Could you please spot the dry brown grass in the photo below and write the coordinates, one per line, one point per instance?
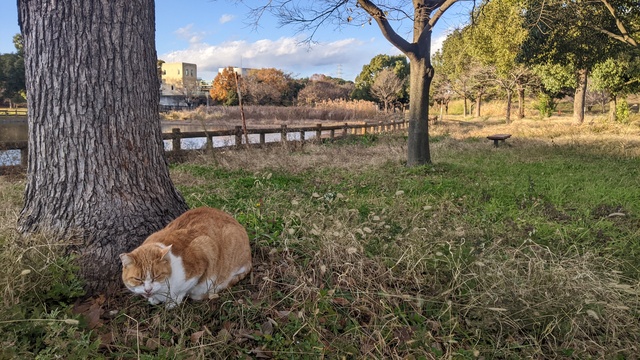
(611, 138)
(328, 113)
(350, 156)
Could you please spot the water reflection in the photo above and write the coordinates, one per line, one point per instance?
(12, 128)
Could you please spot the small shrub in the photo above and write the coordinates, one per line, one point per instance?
(623, 112)
(546, 105)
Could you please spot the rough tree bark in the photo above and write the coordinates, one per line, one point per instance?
(418, 151)
(96, 168)
(580, 96)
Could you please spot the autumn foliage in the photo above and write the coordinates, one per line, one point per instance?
(267, 86)
(224, 87)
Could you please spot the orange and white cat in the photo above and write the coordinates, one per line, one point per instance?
(200, 253)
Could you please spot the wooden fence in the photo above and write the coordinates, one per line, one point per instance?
(13, 112)
(322, 133)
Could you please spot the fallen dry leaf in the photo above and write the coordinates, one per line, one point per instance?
(195, 337)
(340, 301)
(152, 344)
(92, 310)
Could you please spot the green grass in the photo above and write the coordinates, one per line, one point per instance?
(528, 250)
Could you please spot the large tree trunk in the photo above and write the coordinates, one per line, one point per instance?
(96, 168)
(419, 54)
(421, 74)
(580, 96)
(418, 142)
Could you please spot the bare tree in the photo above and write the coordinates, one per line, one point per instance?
(189, 91)
(324, 90)
(441, 92)
(96, 166)
(386, 87)
(514, 80)
(308, 16)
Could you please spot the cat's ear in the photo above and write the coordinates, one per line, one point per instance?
(165, 251)
(126, 259)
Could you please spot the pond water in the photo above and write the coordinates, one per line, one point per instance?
(16, 129)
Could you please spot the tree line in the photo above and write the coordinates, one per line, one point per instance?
(553, 49)
(12, 80)
(382, 81)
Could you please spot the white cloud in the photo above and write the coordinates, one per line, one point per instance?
(343, 57)
(189, 34)
(225, 18)
(184, 31)
(436, 43)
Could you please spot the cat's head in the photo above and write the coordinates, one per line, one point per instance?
(145, 270)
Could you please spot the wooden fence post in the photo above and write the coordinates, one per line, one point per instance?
(262, 138)
(319, 133)
(283, 135)
(239, 136)
(332, 134)
(345, 129)
(24, 156)
(302, 136)
(209, 142)
(177, 143)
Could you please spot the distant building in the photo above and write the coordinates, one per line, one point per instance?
(180, 85)
(237, 70)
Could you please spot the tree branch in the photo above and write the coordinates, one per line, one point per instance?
(624, 38)
(441, 9)
(387, 31)
(624, 34)
(441, 6)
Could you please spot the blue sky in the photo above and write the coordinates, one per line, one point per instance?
(215, 34)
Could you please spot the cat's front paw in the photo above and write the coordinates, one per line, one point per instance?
(154, 300)
(170, 304)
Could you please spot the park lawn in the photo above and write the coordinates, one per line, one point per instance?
(526, 250)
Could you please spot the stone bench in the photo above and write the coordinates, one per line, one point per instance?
(498, 137)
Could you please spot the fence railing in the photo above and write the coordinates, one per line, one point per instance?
(322, 133)
(13, 112)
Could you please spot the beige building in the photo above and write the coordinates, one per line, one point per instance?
(180, 85)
